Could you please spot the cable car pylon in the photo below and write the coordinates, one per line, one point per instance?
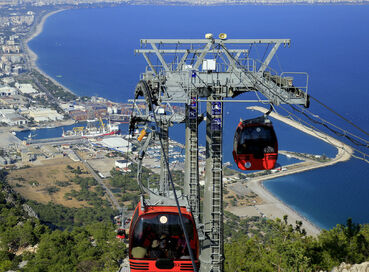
(192, 71)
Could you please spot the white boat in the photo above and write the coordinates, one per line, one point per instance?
(93, 131)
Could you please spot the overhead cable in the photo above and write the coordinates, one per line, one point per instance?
(316, 130)
(344, 134)
(175, 194)
(339, 115)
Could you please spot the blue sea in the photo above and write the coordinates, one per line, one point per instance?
(91, 51)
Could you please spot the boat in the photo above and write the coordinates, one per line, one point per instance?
(93, 131)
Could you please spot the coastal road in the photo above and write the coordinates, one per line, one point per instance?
(113, 200)
(57, 141)
(44, 89)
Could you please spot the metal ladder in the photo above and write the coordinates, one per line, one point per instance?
(164, 178)
(217, 195)
(192, 170)
(212, 253)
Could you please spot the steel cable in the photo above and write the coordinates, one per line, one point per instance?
(175, 194)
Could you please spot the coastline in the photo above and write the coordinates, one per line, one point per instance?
(32, 56)
(273, 207)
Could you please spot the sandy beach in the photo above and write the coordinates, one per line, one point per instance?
(272, 207)
(32, 57)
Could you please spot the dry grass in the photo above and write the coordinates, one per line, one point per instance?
(246, 200)
(32, 183)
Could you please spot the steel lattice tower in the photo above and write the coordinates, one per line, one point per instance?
(210, 71)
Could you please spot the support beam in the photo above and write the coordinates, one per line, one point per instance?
(202, 56)
(183, 60)
(150, 64)
(180, 51)
(164, 178)
(212, 254)
(228, 41)
(269, 57)
(191, 170)
(160, 57)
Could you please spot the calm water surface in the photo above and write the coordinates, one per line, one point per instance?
(91, 52)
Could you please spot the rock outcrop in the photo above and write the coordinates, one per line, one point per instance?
(363, 267)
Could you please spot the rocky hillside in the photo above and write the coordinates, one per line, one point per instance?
(363, 267)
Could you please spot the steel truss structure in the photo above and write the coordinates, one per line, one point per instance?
(186, 71)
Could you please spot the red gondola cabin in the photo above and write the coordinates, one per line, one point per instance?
(121, 234)
(255, 145)
(156, 239)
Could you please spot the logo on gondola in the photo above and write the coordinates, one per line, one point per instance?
(248, 164)
(163, 219)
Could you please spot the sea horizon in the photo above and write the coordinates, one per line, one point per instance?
(281, 188)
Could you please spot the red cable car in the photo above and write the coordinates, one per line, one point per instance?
(156, 239)
(121, 234)
(255, 145)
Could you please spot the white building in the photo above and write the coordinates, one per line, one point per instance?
(8, 91)
(26, 88)
(7, 80)
(11, 118)
(112, 109)
(116, 143)
(44, 114)
(122, 164)
(70, 106)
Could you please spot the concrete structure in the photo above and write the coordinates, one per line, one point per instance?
(72, 106)
(11, 118)
(14, 101)
(44, 114)
(6, 160)
(7, 80)
(7, 91)
(3, 161)
(122, 164)
(10, 49)
(116, 143)
(78, 115)
(26, 88)
(113, 110)
(50, 151)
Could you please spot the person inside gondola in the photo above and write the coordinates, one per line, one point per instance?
(155, 252)
(166, 246)
(159, 239)
(149, 237)
(182, 250)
